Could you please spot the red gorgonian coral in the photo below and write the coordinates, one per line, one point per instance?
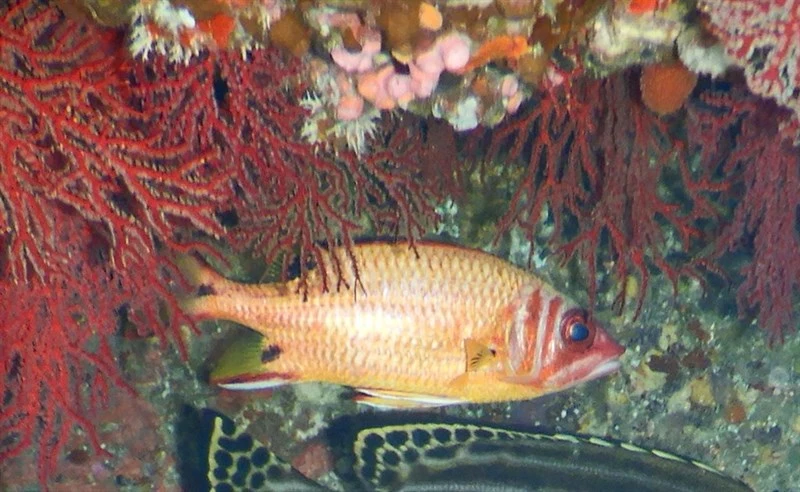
(762, 37)
(110, 165)
(596, 158)
(739, 133)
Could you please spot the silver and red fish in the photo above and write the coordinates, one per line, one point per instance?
(424, 326)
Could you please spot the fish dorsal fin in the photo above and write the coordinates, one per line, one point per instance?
(478, 354)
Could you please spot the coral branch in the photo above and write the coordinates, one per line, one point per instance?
(599, 157)
(763, 37)
(765, 222)
(110, 165)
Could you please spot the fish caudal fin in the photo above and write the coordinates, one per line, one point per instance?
(244, 364)
(205, 283)
(238, 462)
(197, 273)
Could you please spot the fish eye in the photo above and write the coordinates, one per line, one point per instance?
(576, 331)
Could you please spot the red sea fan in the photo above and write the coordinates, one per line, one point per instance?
(762, 37)
(56, 364)
(597, 157)
(110, 164)
(288, 195)
(85, 184)
(740, 131)
(73, 135)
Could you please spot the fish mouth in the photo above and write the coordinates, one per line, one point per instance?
(607, 367)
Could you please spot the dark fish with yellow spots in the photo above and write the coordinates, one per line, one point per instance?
(423, 326)
(462, 457)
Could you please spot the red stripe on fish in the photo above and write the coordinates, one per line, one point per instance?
(532, 314)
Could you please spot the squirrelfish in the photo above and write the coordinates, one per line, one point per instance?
(417, 326)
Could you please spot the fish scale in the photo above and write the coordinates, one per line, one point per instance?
(405, 326)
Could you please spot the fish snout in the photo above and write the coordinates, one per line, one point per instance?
(607, 346)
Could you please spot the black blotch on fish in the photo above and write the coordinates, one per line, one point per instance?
(221, 473)
(243, 465)
(462, 435)
(223, 458)
(388, 477)
(274, 472)
(260, 457)
(257, 480)
(442, 435)
(483, 434)
(410, 455)
(373, 441)
(270, 354)
(442, 452)
(391, 458)
(420, 437)
(241, 444)
(397, 438)
(205, 290)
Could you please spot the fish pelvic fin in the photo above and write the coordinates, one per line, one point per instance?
(385, 399)
(245, 364)
(239, 462)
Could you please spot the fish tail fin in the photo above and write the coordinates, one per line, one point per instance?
(245, 364)
(205, 286)
(197, 272)
(237, 461)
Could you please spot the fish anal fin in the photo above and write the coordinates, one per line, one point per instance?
(255, 382)
(478, 354)
(402, 400)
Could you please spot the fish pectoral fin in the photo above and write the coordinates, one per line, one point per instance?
(400, 399)
(245, 364)
(478, 354)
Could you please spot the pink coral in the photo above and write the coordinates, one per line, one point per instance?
(374, 87)
(361, 60)
(455, 51)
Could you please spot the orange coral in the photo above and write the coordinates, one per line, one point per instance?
(219, 26)
(666, 86)
(646, 6)
(501, 47)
